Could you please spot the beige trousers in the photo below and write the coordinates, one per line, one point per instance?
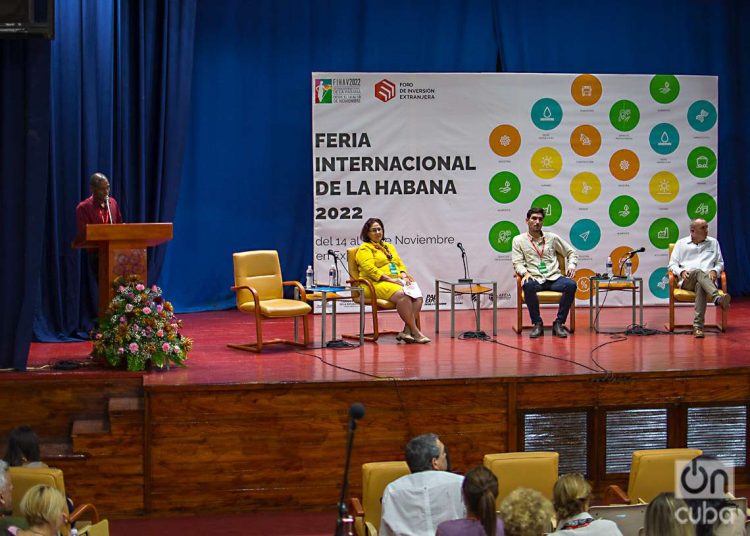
(699, 282)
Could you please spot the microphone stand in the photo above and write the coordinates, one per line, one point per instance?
(478, 334)
(344, 519)
(466, 278)
(109, 211)
(337, 343)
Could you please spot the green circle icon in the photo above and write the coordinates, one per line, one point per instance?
(501, 236)
(505, 187)
(701, 162)
(624, 115)
(701, 206)
(624, 211)
(702, 115)
(546, 114)
(552, 208)
(664, 88)
(663, 232)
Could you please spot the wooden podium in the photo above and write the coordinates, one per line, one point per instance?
(122, 252)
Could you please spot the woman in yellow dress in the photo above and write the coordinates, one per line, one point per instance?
(379, 262)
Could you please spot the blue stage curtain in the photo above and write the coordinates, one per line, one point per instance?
(24, 145)
(642, 36)
(247, 180)
(121, 81)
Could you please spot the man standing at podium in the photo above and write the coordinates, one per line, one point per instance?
(98, 208)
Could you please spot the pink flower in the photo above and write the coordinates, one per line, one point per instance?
(98, 335)
(165, 347)
(120, 289)
(147, 310)
(139, 287)
(123, 320)
(121, 350)
(133, 347)
(159, 308)
(154, 288)
(128, 307)
(176, 349)
(160, 333)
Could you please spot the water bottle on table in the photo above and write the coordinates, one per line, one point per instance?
(628, 268)
(608, 272)
(309, 277)
(332, 276)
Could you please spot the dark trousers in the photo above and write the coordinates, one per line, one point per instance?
(561, 284)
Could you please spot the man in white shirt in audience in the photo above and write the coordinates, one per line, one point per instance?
(697, 263)
(415, 504)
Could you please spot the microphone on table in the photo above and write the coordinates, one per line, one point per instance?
(465, 260)
(345, 522)
(639, 250)
(629, 255)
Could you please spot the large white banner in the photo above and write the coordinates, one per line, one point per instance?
(618, 162)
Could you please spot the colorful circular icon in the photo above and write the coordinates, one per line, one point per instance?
(585, 235)
(701, 162)
(662, 232)
(702, 115)
(505, 187)
(583, 284)
(624, 211)
(585, 140)
(505, 140)
(586, 89)
(658, 283)
(624, 115)
(619, 256)
(701, 206)
(664, 88)
(664, 187)
(546, 114)
(546, 163)
(552, 208)
(585, 187)
(664, 138)
(624, 165)
(501, 236)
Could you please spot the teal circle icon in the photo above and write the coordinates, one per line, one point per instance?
(701, 162)
(664, 138)
(624, 211)
(501, 236)
(664, 88)
(585, 235)
(552, 208)
(505, 187)
(662, 232)
(624, 115)
(658, 283)
(702, 115)
(702, 206)
(546, 114)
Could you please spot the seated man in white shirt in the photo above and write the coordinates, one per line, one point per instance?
(697, 262)
(415, 504)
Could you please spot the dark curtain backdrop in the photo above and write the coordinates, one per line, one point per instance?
(24, 145)
(696, 37)
(121, 78)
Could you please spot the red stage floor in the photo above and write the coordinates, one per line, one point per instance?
(211, 362)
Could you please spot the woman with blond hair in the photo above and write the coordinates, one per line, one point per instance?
(572, 496)
(663, 517)
(45, 509)
(526, 512)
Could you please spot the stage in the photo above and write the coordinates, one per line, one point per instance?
(236, 431)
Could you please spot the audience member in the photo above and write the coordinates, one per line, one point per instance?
(479, 491)
(526, 512)
(415, 504)
(666, 515)
(23, 448)
(44, 509)
(6, 501)
(572, 496)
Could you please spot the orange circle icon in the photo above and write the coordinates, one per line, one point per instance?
(618, 260)
(624, 165)
(505, 140)
(585, 140)
(586, 89)
(583, 285)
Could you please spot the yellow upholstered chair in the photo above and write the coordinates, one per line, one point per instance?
(259, 289)
(375, 478)
(546, 296)
(24, 478)
(651, 473)
(535, 470)
(676, 294)
(370, 299)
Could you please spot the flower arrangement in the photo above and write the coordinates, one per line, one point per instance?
(139, 327)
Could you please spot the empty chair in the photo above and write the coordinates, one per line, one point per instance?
(534, 470)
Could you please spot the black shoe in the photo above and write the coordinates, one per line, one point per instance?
(537, 331)
(558, 330)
